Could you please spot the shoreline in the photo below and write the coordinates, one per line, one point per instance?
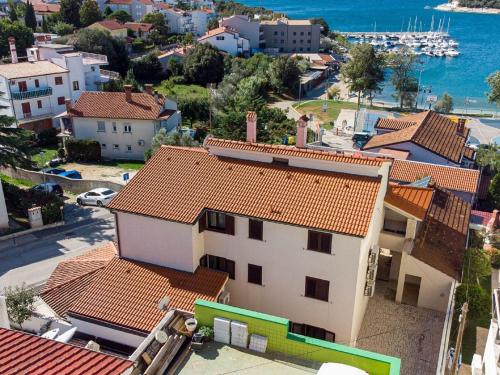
(448, 7)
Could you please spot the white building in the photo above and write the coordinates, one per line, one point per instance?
(35, 91)
(186, 21)
(124, 123)
(136, 8)
(227, 40)
(246, 28)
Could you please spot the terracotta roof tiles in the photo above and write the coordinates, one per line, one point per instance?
(139, 26)
(331, 201)
(26, 354)
(393, 124)
(110, 24)
(411, 199)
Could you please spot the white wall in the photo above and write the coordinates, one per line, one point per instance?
(230, 43)
(4, 216)
(247, 29)
(156, 241)
(86, 128)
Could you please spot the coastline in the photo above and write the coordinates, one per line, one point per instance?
(448, 7)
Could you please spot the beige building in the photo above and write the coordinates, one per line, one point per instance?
(289, 36)
(115, 28)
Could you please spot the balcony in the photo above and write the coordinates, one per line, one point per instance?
(25, 117)
(94, 58)
(109, 75)
(31, 94)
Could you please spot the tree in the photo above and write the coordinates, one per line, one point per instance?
(212, 23)
(188, 39)
(494, 83)
(175, 139)
(89, 13)
(325, 28)
(364, 71)
(12, 10)
(158, 21)
(445, 104)
(45, 25)
(70, 12)
(488, 156)
(22, 34)
(15, 144)
(203, 64)
(174, 67)
(284, 73)
(29, 16)
(403, 64)
(20, 303)
(107, 11)
(478, 299)
(148, 68)
(476, 265)
(494, 189)
(121, 16)
(62, 28)
(130, 80)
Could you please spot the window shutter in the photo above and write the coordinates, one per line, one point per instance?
(310, 287)
(203, 261)
(231, 268)
(230, 224)
(202, 223)
(326, 243)
(312, 240)
(322, 287)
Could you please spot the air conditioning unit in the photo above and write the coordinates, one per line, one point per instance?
(224, 298)
(369, 290)
(141, 142)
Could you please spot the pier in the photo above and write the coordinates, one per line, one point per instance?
(396, 34)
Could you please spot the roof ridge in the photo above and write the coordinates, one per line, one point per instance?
(66, 282)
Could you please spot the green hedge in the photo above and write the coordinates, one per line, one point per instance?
(85, 150)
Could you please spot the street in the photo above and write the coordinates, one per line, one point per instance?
(32, 258)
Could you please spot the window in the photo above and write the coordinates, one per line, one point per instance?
(254, 274)
(282, 33)
(255, 229)
(114, 127)
(301, 33)
(61, 100)
(308, 49)
(294, 41)
(301, 49)
(39, 103)
(58, 80)
(317, 288)
(103, 146)
(116, 147)
(37, 83)
(26, 107)
(76, 85)
(127, 128)
(220, 37)
(294, 33)
(301, 41)
(220, 264)
(282, 41)
(312, 331)
(275, 33)
(309, 33)
(308, 41)
(319, 241)
(129, 148)
(217, 222)
(101, 126)
(22, 86)
(92, 69)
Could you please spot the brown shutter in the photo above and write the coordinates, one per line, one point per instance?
(202, 223)
(326, 243)
(230, 224)
(231, 268)
(322, 287)
(312, 240)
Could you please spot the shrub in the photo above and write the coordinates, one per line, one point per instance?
(61, 152)
(138, 45)
(47, 137)
(207, 332)
(20, 303)
(84, 150)
(62, 28)
(51, 211)
(478, 298)
(495, 259)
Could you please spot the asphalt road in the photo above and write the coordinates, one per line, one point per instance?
(32, 258)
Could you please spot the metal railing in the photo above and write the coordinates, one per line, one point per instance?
(95, 56)
(30, 94)
(110, 74)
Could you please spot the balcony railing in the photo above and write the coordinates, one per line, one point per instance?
(93, 58)
(109, 74)
(23, 95)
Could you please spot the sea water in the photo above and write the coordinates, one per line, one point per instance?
(462, 77)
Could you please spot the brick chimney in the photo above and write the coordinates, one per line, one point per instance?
(69, 105)
(461, 126)
(13, 51)
(251, 126)
(148, 88)
(301, 138)
(128, 92)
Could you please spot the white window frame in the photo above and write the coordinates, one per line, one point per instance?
(101, 129)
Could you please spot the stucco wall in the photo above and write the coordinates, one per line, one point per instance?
(156, 241)
(247, 29)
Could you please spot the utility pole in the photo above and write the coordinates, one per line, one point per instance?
(458, 348)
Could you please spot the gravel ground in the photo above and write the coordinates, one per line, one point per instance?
(99, 172)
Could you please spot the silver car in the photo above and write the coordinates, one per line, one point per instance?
(97, 197)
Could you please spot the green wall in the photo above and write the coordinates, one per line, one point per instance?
(282, 341)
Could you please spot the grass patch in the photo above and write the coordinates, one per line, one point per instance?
(17, 181)
(177, 90)
(48, 154)
(134, 165)
(316, 108)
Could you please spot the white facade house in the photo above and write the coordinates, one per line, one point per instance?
(186, 21)
(227, 40)
(136, 8)
(246, 28)
(123, 123)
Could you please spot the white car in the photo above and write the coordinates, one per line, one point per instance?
(97, 197)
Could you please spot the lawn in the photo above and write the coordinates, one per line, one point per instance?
(42, 159)
(316, 108)
(17, 181)
(176, 90)
(133, 165)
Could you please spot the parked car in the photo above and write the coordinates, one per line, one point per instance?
(75, 175)
(55, 162)
(49, 187)
(97, 197)
(53, 170)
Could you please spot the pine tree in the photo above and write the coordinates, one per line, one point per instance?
(70, 12)
(29, 17)
(15, 143)
(12, 11)
(89, 13)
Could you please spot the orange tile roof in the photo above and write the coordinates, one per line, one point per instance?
(71, 277)
(339, 157)
(110, 24)
(396, 154)
(410, 199)
(337, 202)
(469, 153)
(126, 293)
(113, 105)
(139, 26)
(46, 8)
(217, 31)
(393, 124)
(452, 178)
(433, 132)
(26, 354)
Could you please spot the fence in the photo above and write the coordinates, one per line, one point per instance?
(280, 340)
(75, 186)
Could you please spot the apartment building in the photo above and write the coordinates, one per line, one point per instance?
(227, 40)
(186, 21)
(34, 91)
(289, 36)
(124, 123)
(247, 28)
(136, 8)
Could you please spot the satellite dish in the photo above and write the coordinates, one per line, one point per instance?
(161, 337)
(163, 303)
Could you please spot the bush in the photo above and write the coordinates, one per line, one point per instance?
(194, 107)
(51, 211)
(138, 45)
(478, 298)
(85, 150)
(20, 303)
(207, 332)
(62, 28)
(495, 259)
(48, 137)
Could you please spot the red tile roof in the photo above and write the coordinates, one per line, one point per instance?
(71, 277)
(396, 154)
(110, 24)
(139, 26)
(126, 293)
(339, 157)
(25, 354)
(480, 217)
(393, 124)
(410, 199)
(452, 178)
(331, 201)
(114, 105)
(469, 153)
(434, 132)
(218, 31)
(46, 8)
(119, 2)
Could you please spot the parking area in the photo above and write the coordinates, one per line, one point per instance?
(100, 172)
(407, 332)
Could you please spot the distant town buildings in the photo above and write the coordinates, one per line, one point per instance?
(115, 28)
(186, 21)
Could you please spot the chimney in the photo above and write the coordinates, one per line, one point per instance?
(251, 126)
(69, 105)
(156, 96)
(13, 52)
(128, 92)
(148, 88)
(301, 138)
(461, 126)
